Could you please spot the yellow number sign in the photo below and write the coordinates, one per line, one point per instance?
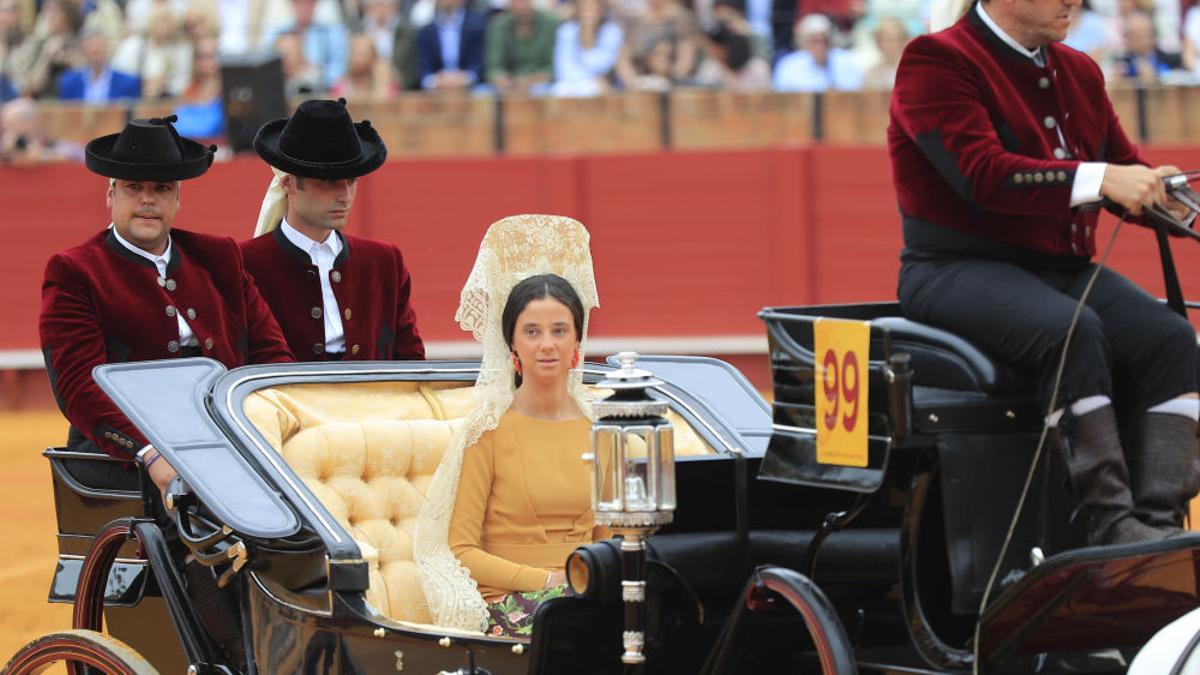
(842, 353)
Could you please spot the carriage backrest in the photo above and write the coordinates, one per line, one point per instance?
(368, 452)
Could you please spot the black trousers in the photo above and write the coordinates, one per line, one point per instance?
(1126, 345)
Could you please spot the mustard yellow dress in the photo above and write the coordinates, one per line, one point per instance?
(523, 504)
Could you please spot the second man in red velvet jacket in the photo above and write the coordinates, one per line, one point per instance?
(335, 296)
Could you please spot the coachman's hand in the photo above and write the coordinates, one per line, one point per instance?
(1173, 206)
(161, 472)
(1133, 187)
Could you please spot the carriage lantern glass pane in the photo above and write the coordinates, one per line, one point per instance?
(666, 461)
(609, 448)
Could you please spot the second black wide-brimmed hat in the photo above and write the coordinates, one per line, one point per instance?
(148, 150)
(321, 141)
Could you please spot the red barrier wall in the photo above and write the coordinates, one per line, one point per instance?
(684, 243)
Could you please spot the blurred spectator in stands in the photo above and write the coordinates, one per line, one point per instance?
(1166, 15)
(731, 63)
(729, 13)
(22, 142)
(50, 51)
(367, 76)
(324, 40)
(300, 77)
(890, 39)
(1191, 40)
(658, 22)
(817, 65)
(140, 15)
(586, 49)
(842, 13)
(245, 25)
(912, 14)
(1091, 34)
(96, 83)
(201, 22)
(1142, 61)
(200, 112)
(394, 37)
(11, 37)
(760, 16)
(450, 49)
(160, 57)
(520, 49)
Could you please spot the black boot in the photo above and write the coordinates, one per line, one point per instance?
(1100, 480)
(1162, 475)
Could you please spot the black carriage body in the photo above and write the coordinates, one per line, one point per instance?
(302, 590)
(904, 567)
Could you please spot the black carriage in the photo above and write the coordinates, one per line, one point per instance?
(774, 559)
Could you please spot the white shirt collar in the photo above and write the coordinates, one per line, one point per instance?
(160, 261)
(1034, 54)
(333, 242)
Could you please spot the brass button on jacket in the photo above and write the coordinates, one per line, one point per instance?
(354, 349)
(311, 274)
(173, 346)
(191, 313)
(171, 285)
(347, 313)
(208, 343)
(171, 311)
(319, 348)
(316, 312)
(336, 276)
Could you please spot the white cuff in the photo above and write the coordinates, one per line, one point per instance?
(1086, 188)
(142, 453)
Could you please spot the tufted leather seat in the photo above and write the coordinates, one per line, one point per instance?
(368, 452)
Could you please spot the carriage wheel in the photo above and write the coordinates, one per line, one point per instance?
(97, 650)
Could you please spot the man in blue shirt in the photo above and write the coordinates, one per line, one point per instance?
(97, 83)
(324, 43)
(450, 50)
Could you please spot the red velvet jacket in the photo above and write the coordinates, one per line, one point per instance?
(101, 303)
(972, 138)
(370, 282)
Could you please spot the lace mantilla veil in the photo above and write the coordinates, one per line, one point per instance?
(513, 249)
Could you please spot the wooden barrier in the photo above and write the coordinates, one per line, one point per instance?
(421, 125)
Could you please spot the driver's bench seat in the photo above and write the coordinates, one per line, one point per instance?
(956, 385)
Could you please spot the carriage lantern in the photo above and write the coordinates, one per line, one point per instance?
(633, 474)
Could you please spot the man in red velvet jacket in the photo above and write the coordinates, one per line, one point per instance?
(335, 296)
(140, 290)
(1003, 143)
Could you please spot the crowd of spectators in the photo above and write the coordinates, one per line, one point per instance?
(98, 51)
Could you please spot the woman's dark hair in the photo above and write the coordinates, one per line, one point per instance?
(537, 288)
(737, 47)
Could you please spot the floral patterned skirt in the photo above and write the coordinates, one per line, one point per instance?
(512, 616)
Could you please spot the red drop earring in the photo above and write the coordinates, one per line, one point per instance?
(575, 361)
(516, 363)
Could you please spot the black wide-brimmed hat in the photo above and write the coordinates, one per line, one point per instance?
(148, 150)
(321, 141)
